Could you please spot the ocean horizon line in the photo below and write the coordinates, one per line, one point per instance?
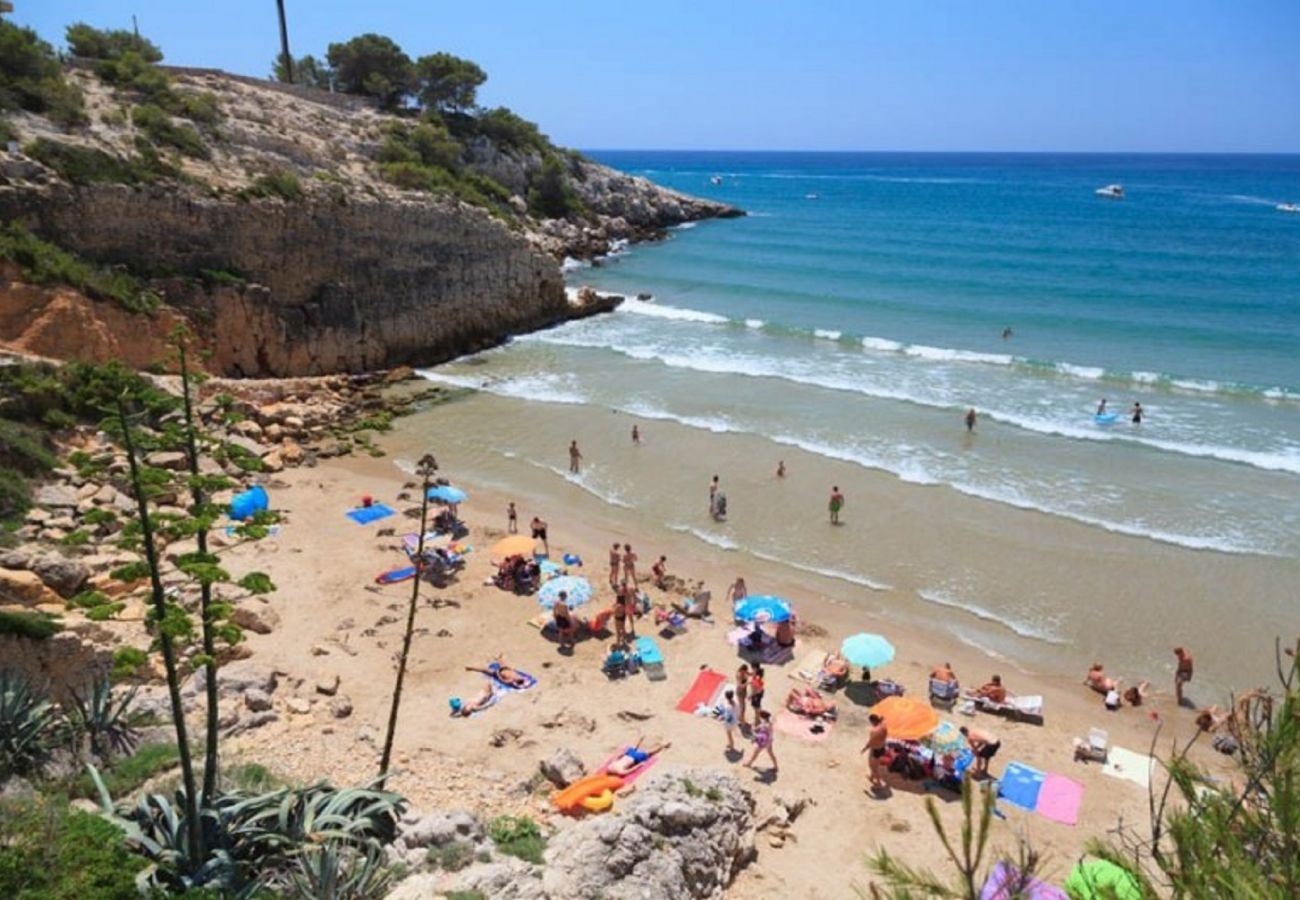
(1264, 154)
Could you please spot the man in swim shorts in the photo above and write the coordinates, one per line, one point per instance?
(503, 673)
(633, 757)
(993, 691)
(836, 504)
(575, 457)
(1183, 674)
(984, 744)
(875, 750)
(970, 419)
(538, 526)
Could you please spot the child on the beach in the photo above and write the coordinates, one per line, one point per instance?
(756, 688)
(728, 718)
(763, 736)
(512, 518)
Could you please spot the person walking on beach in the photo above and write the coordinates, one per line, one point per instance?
(575, 458)
(985, 745)
(728, 718)
(538, 528)
(630, 607)
(1137, 413)
(780, 469)
(875, 750)
(629, 565)
(970, 419)
(615, 560)
(742, 691)
(713, 495)
(763, 736)
(836, 504)
(512, 518)
(636, 435)
(659, 573)
(1183, 673)
(756, 689)
(737, 592)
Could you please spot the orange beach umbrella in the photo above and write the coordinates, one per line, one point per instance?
(515, 545)
(907, 718)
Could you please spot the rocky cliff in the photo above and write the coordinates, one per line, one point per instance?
(347, 272)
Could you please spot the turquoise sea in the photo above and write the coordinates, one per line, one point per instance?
(851, 319)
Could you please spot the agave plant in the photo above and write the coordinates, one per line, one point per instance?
(30, 725)
(334, 872)
(291, 817)
(104, 717)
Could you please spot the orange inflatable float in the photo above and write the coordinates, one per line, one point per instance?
(593, 793)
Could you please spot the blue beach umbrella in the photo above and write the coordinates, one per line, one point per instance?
(763, 609)
(445, 493)
(868, 650)
(947, 738)
(578, 591)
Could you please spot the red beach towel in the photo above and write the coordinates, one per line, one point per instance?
(702, 691)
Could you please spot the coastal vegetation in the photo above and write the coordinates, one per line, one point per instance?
(41, 262)
(32, 78)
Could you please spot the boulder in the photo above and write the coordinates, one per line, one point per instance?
(56, 496)
(105, 495)
(299, 706)
(256, 720)
(37, 516)
(255, 615)
(257, 700)
(273, 461)
(291, 452)
(236, 678)
(420, 886)
(25, 588)
(17, 558)
(167, 459)
(341, 706)
(327, 684)
(505, 878)
(248, 428)
(65, 576)
(686, 833)
(562, 767)
(437, 829)
(87, 490)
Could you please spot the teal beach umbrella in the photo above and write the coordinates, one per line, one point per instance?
(868, 650)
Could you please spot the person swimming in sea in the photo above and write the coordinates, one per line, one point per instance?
(1101, 407)
(970, 419)
(1137, 413)
(1006, 332)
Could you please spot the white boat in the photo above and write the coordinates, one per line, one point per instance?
(810, 196)
(1288, 207)
(1111, 192)
(716, 179)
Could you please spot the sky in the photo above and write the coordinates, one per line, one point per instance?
(921, 75)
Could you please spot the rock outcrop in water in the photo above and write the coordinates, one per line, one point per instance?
(350, 274)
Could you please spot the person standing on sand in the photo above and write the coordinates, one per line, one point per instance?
(970, 419)
(875, 750)
(780, 469)
(763, 737)
(629, 566)
(629, 600)
(756, 689)
(636, 435)
(615, 560)
(728, 719)
(1183, 674)
(836, 504)
(742, 691)
(512, 518)
(737, 592)
(659, 573)
(575, 458)
(538, 528)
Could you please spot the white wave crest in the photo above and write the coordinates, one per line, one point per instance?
(1024, 629)
(717, 540)
(827, 334)
(541, 388)
(646, 308)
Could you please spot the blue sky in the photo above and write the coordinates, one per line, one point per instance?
(1137, 75)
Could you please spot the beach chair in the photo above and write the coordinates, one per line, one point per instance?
(944, 693)
(1095, 747)
(652, 660)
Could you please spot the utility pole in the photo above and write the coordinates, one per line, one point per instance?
(284, 43)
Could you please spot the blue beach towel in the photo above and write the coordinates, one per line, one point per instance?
(648, 650)
(1020, 785)
(364, 515)
(530, 681)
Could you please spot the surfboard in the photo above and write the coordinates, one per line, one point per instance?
(1106, 418)
(393, 576)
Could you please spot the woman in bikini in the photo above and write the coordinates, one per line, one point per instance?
(808, 702)
(485, 699)
(763, 740)
(503, 673)
(634, 757)
(742, 691)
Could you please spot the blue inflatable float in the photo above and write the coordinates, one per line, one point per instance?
(251, 501)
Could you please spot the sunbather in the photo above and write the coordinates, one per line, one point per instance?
(1099, 682)
(1211, 718)
(834, 670)
(633, 757)
(943, 672)
(808, 702)
(502, 673)
(993, 691)
(1136, 694)
(485, 699)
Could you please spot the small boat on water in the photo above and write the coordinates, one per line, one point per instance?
(1289, 207)
(810, 196)
(715, 180)
(1111, 192)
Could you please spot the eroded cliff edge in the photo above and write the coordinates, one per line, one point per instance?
(348, 273)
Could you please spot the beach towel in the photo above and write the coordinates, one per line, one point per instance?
(1020, 785)
(496, 695)
(648, 650)
(810, 667)
(634, 774)
(530, 682)
(1134, 767)
(364, 515)
(736, 635)
(703, 691)
(801, 727)
(1059, 799)
(1005, 879)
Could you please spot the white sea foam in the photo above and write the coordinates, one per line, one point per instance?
(572, 265)
(827, 334)
(580, 481)
(1089, 373)
(685, 226)
(948, 354)
(658, 311)
(754, 323)
(943, 597)
(884, 345)
(837, 574)
(717, 540)
(541, 388)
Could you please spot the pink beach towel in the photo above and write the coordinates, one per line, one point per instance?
(1059, 799)
(801, 727)
(634, 774)
(703, 690)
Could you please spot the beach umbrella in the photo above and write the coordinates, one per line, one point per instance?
(578, 591)
(947, 738)
(907, 718)
(868, 650)
(515, 545)
(1095, 879)
(445, 493)
(762, 608)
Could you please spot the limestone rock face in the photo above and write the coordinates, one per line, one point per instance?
(686, 833)
(66, 576)
(25, 588)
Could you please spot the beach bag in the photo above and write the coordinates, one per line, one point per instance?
(1225, 744)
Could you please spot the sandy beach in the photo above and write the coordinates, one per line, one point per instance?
(335, 621)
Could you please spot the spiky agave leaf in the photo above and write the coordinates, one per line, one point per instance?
(30, 725)
(103, 715)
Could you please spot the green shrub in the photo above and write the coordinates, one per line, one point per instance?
(197, 106)
(88, 600)
(7, 131)
(550, 195)
(451, 857)
(221, 278)
(505, 129)
(50, 851)
(83, 390)
(158, 125)
(98, 43)
(282, 184)
(85, 165)
(127, 661)
(105, 612)
(30, 725)
(78, 538)
(35, 625)
(128, 773)
(24, 449)
(519, 837)
(131, 71)
(44, 263)
(99, 516)
(31, 78)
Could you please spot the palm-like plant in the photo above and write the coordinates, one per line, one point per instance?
(335, 872)
(30, 725)
(103, 716)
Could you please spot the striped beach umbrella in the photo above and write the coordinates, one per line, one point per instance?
(761, 608)
(577, 591)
